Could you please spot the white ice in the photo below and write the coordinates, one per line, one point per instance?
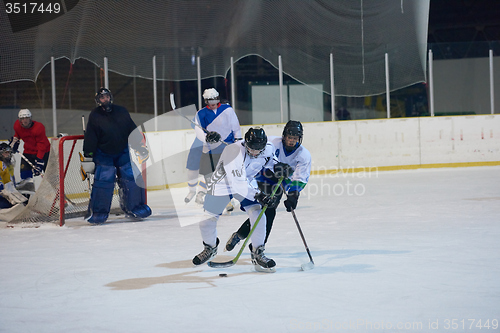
(414, 251)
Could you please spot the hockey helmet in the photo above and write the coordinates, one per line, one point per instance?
(255, 141)
(293, 128)
(5, 152)
(211, 96)
(24, 113)
(101, 92)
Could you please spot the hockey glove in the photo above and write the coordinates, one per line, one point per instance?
(212, 137)
(88, 165)
(291, 200)
(38, 168)
(10, 193)
(282, 170)
(14, 144)
(263, 199)
(142, 154)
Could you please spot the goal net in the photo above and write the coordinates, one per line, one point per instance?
(62, 194)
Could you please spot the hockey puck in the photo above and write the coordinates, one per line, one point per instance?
(223, 275)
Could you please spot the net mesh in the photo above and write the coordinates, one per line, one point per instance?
(129, 33)
(44, 205)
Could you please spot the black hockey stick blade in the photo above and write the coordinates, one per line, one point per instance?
(214, 264)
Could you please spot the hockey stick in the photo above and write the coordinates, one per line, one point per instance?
(29, 162)
(232, 262)
(310, 264)
(172, 103)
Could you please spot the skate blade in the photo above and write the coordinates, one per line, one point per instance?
(261, 269)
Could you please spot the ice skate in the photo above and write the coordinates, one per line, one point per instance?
(200, 198)
(208, 253)
(190, 196)
(260, 261)
(232, 241)
(26, 185)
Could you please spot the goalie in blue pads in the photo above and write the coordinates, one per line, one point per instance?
(106, 154)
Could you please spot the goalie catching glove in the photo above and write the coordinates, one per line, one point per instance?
(142, 154)
(263, 199)
(212, 137)
(88, 165)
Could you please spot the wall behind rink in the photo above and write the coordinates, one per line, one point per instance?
(351, 146)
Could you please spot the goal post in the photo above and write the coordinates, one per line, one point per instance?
(63, 193)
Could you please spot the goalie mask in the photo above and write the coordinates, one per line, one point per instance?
(5, 153)
(292, 128)
(255, 141)
(102, 101)
(211, 96)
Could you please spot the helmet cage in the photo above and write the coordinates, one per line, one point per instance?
(101, 92)
(5, 148)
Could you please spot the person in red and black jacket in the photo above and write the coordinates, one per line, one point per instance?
(36, 146)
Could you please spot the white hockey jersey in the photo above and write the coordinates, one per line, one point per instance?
(299, 160)
(236, 170)
(223, 121)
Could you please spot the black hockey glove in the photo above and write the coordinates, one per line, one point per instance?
(282, 170)
(37, 170)
(291, 200)
(14, 144)
(212, 137)
(263, 199)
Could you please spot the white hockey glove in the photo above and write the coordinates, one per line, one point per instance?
(88, 165)
(10, 193)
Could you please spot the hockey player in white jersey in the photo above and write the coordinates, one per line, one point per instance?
(289, 150)
(238, 165)
(221, 124)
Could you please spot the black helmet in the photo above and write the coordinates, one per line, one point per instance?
(4, 147)
(255, 139)
(101, 92)
(293, 128)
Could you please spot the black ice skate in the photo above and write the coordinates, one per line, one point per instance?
(260, 261)
(233, 241)
(208, 253)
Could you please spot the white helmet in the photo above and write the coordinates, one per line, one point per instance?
(211, 95)
(24, 113)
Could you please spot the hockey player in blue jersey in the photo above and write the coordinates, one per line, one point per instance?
(289, 150)
(238, 165)
(109, 131)
(221, 123)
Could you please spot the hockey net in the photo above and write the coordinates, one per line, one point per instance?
(62, 194)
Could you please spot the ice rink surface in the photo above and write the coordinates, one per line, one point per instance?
(395, 251)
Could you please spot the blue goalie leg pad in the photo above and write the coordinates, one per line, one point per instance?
(132, 197)
(102, 193)
(98, 218)
(140, 212)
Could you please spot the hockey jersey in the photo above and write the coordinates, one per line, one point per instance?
(299, 160)
(35, 139)
(236, 170)
(223, 121)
